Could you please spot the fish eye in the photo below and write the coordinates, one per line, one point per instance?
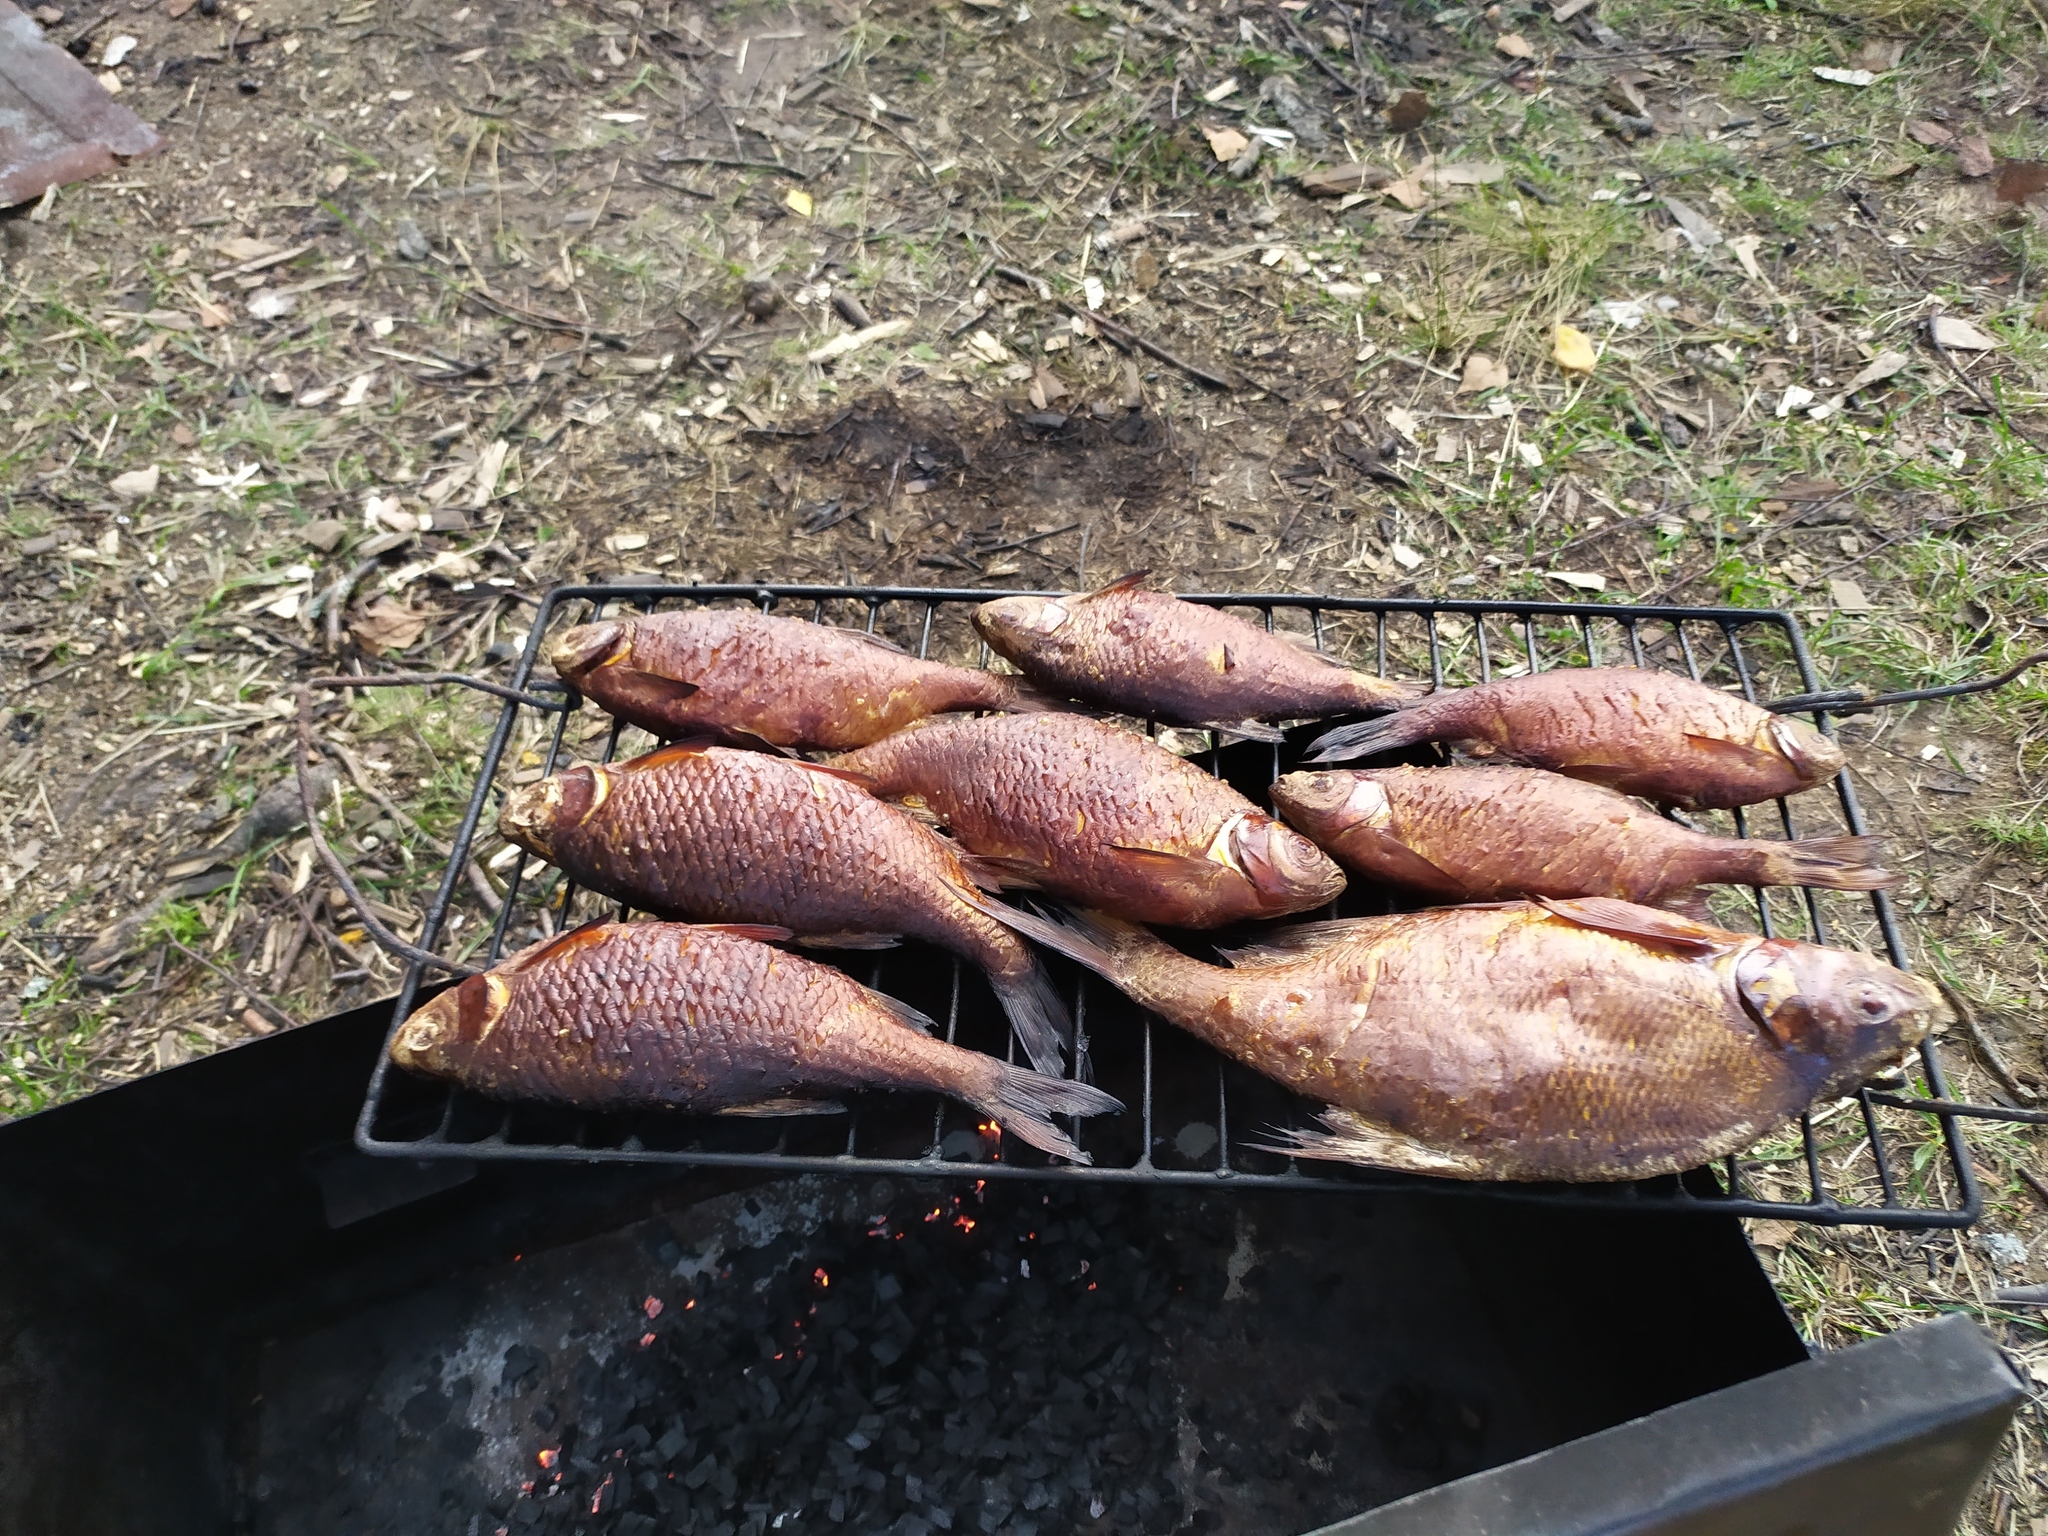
(1873, 1006)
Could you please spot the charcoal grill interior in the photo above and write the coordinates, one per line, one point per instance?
(216, 1315)
(1194, 1118)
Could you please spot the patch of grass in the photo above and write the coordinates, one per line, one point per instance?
(2027, 835)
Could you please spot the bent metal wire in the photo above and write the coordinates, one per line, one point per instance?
(1893, 1156)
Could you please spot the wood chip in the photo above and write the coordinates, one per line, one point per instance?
(1338, 180)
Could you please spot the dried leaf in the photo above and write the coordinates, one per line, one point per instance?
(2019, 180)
(1573, 350)
(1411, 109)
(1745, 249)
(1973, 156)
(1337, 180)
(137, 483)
(1403, 421)
(241, 248)
(1883, 366)
(1565, 10)
(1878, 54)
(1466, 173)
(1407, 192)
(1585, 581)
(1482, 372)
(1932, 134)
(1807, 490)
(798, 202)
(1961, 336)
(490, 464)
(387, 625)
(1514, 45)
(1846, 76)
(1847, 595)
(1697, 228)
(1226, 144)
(985, 347)
(272, 303)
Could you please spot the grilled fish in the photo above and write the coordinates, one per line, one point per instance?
(636, 1015)
(1100, 815)
(1150, 654)
(1484, 834)
(750, 678)
(1582, 1040)
(1653, 734)
(720, 835)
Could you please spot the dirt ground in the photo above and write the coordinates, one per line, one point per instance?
(428, 307)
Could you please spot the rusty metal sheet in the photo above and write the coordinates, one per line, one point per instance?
(57, 123)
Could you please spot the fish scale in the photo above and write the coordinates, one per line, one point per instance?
(721, 835)
(628, 1015)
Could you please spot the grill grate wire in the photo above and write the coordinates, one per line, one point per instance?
(1934, 1186)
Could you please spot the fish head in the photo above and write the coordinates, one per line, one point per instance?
(1291, 873)
(1816, 756)
(534, 813)
(587, 647)
(1850, 1010)
(1330, 803)
(438, 1038)
(1016, 626)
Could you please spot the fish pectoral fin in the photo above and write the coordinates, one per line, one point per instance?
(1647, 925)
(765, 1109)
(1593, 772)
(851, 775)
(1182, 871)
(654, 685)
(850, 939)
(1349, 1137)
(1249, 730)
(902, 1012)
(1402, 864)
(999, 872)
(766, 933)
(1733, 751)
(1281, 945)
(1124, 583)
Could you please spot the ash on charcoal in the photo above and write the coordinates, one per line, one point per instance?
(901, 1359)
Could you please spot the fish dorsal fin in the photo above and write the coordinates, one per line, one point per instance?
(1283, 945)
(902, 1012)
(670, 752)
(1647, 925)
(1128, 583)
(766, 933)
(846, 775)
(560, 947)
(876, 640)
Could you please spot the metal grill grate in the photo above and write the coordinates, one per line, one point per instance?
(1192, 1116)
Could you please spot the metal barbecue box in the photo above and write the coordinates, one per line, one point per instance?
(1192, 1117)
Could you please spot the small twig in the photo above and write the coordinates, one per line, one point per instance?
(790, 171)
(1314, 55)
(1968, 383)
(1990, 1052)
(1128, 338)
(2033, 1182)
(677, 186)
(336, 598)
(430, 679)
(1026, 541)
(262, 1004)
(375, 929)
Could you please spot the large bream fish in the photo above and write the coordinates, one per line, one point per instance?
(1102, 816)
(1579, 1040)
(751, 678)
(639, 1015)
(1484, 834)
(715, 834)
(1654, 734)
(1151, 654)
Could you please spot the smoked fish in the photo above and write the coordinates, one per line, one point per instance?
(715, 834)
(1582, 1041)
(1151, 654)
(1100, 815)
(641, 1015)
(1488, 834)
(1654, 734)
(751, 678)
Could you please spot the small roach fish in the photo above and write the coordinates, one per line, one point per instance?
(716, 834)
(1582, 1041)
(1488, 834)
(708, 1019)
(1150, 654)
(752, 679)
(1100, 815)
(1664, 737)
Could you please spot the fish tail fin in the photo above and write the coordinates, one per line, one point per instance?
(1349, 1137)
(1847, 863)
(1094, 939)
(1019, 695)
(1023, 1103)
(1036, 1014)
(1403, 728)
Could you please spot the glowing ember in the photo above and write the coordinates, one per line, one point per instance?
(821, 1277)
(647, 1340)
(548, 1458)
(964, 1223)
(651, 1306)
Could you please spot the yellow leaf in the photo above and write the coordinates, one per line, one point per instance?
(1573, 350)
(798, 201)
(1514, 45)
(1226, 144)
